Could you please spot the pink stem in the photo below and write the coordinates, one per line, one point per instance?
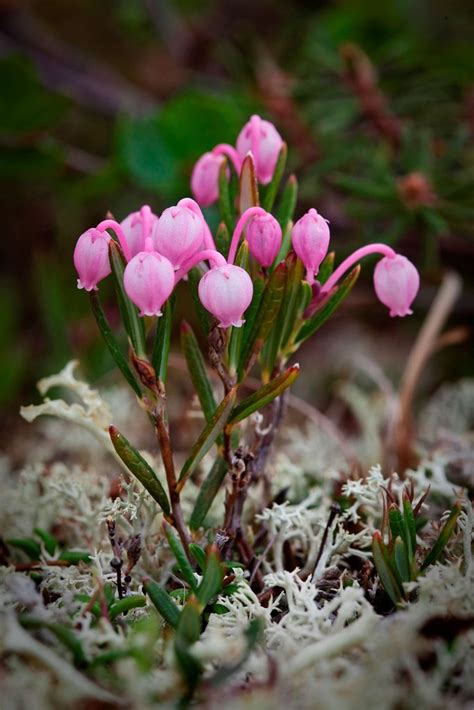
(145, 213)
(352, 259)
(250, 212)
(230, 152)
(206, 255)
(194, 207)
(115, 226)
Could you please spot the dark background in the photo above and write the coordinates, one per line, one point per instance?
(106, 105)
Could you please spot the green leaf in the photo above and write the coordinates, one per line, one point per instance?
(211, 583)
(162, 601)
(199, 555)
(198, 371)
(132, 322)
(248, 191)
(27, 545)
(329, 306)
(443, 538)
(288, 203)
(208, 436)
(186, 571)
(112, 344)
(385, 571)
(264, 395)
(222, 239)
(122, 606)
(253, 634)
(252, 313)
(75, 556)
(225, 202)
(265, 318)
(64, 634)
(162, 341)
(396, 522)
(207, 492)
(49, 541)
(137, 465)
(194, 277)
(402, 563)
(236, 334)
(409, 520)
(187, 633)
(326, 268)
(272, 188)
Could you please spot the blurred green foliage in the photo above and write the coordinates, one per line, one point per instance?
(199, 69)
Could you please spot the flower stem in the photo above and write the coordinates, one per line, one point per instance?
(250, 212)
(353, 259)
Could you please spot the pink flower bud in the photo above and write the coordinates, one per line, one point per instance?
(310, 239)
(137, 227)
(91, 258)
(226, 292)
(396, 282)
(264, 238)
(263, 140)
(179, 234)
(148, 280)
(205, 179)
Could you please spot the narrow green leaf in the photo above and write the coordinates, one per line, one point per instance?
(198, 371)
(251, 315)
(236, 334)
(112, 344)
(291, 299)
(248, 189)
(326, 268)
(187, 633)
(272, 188)
(285, 246)
(162, 340)
(208, 491)
(264, 395)
(385, 570)
(253, 634)
(75, 556)
(199, 555)
(132, 322)
(186, 571)
(222, 239)
(137, 465)
(163, 603)
(395, 520)
(64, 634)
(443, 538)
(49, 541)
(327, 309)
(27, 545)
(208, 436)
(409, 520)
(211, 583)
(225, 203)
(400, 556)
(122, 606)
(265, 318)
(194, 277)
(288, 203)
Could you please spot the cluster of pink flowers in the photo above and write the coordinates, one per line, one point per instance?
(161, 250)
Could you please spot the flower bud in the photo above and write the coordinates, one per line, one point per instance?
(310, 239)
(226, 292)
(396, 282)
(137, 227)
(148, 281)
(179, 234)
(263, 140)
(91, 258)
(205, 179)
(264, 238)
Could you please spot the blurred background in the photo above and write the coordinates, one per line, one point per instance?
(105, 106)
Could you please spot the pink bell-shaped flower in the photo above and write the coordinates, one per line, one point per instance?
(137, 227)
(264, 238)
(310, 239)
(226, 292)
(91, 258)
(263, 140)
(179, 234)
(149, 280)
(396, 282)
(205, 179)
